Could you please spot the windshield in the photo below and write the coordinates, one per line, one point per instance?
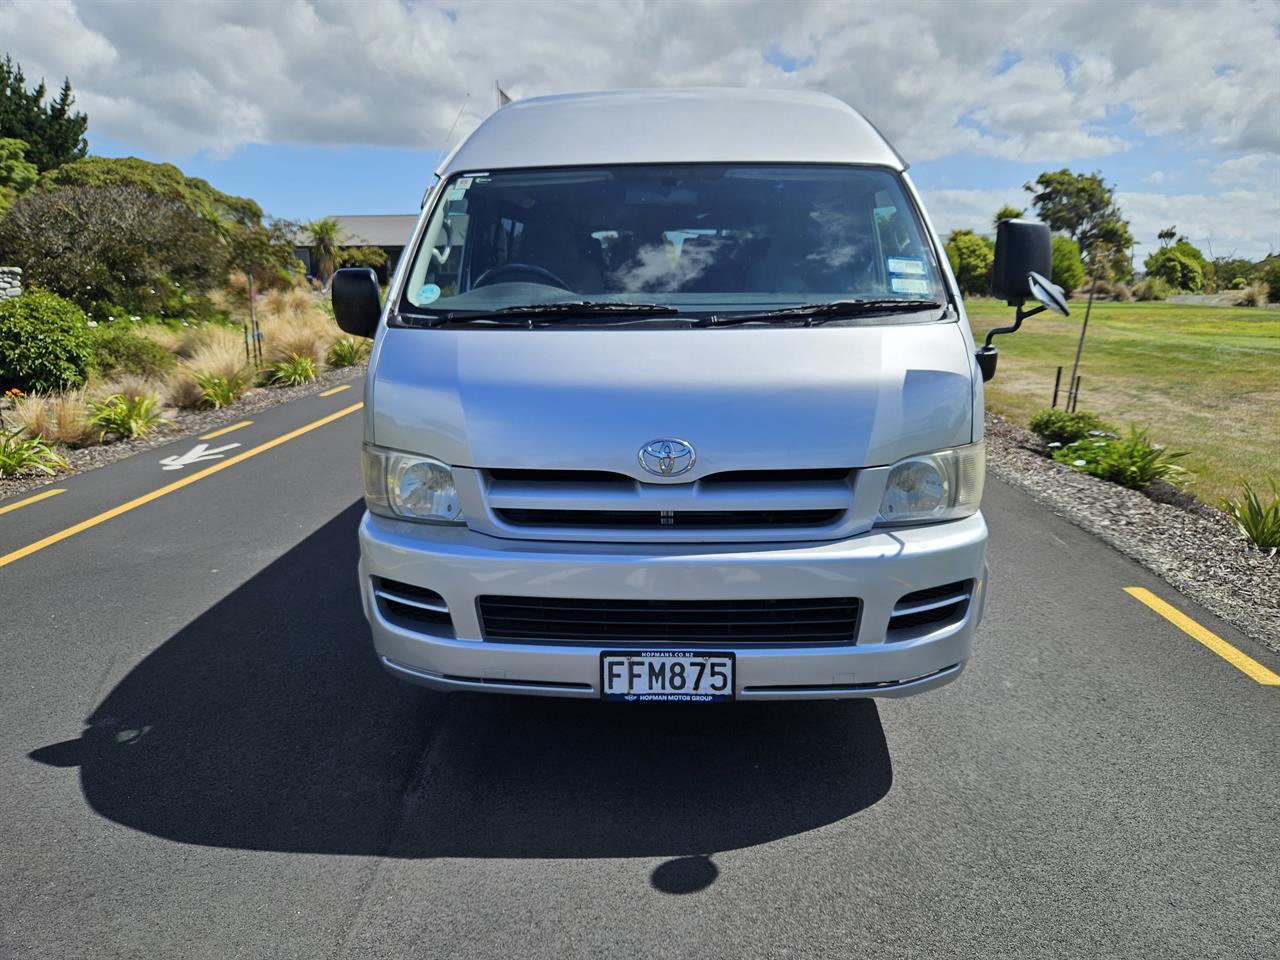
(702, 238)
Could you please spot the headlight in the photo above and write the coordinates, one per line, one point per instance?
(945, 485)
(409, 487)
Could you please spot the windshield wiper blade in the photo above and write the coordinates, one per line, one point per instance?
(815, 313)
(525, 313)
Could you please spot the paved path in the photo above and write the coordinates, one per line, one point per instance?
(200, 758)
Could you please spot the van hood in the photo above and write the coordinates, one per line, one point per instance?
(744, 398)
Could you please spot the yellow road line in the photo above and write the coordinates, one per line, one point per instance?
(332, 390)
(114, 512)
(36, 499)
(218, 433)
(1237, 658)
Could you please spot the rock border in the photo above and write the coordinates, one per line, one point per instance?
(185, 423)
(1197, 550)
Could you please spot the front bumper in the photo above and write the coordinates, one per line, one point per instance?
(880, 567)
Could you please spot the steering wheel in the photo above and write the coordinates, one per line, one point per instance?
(499, 273)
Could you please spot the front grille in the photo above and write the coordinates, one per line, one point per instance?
(718, 622)
(737, 504)
(659, 519)
(933, 605)
(405, 602)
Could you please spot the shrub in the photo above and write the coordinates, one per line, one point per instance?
(293, 372)
(217, 390)
(971, 257)
(1271, 277)
(347, 352)
(1059, 426)
(294, 326)
(1253, 295)
(113, 248)
(1182, 266)
(1152, 288)
(45, 343)
(1258, 521)
(124, 415)
(58, 418)
(1131, 462)
(118, 349)
(1068, 268)
(19, 453)
(1121, 292)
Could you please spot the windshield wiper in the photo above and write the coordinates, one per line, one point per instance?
(816, 313)
(525, 314)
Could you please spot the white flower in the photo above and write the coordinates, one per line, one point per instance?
(1055, 445)
(93, 323)
(1079, 463)
(135, 319)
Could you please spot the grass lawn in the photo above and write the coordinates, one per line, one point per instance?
(1201, 379)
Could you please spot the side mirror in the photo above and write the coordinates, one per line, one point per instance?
(1024, 261)
(357, 302)
(1022, 247)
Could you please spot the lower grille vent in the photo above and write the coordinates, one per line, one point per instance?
(935, 605)
(404, 601)
(707, 622)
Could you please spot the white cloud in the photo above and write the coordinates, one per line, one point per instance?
(971, 209)
(1239, 222)
(1155, 177)
(180, 77)
(1035, 82)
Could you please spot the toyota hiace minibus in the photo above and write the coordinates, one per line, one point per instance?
(673, 398)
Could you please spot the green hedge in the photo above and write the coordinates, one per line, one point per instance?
(45, 343)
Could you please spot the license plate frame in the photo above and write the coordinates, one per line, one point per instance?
(648, 659)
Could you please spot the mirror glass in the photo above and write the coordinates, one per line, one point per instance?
(1048, 293)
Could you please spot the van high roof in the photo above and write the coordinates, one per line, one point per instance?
(672, 126)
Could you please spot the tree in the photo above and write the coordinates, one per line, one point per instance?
(16, 173)
(162, 179)
(114, 250)
(1007, 213)
(1068, 270)
(325, 234)
(1167, 235)
(374, 257)
(53, 132)
(971, 257)
(1083, 207)
(1181, 265)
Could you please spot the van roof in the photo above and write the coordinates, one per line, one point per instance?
(672, 126)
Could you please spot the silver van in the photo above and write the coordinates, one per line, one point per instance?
(673, 398)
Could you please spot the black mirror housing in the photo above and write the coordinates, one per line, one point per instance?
(357, 302)
(1022, 247)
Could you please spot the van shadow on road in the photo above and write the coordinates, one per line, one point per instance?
(266, 724)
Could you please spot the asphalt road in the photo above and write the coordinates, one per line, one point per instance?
(199, 757)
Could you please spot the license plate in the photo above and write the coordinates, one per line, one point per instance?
(676, 675)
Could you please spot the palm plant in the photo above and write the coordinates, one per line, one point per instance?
(326, 234)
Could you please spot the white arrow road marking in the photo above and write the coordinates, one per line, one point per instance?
(200, 451)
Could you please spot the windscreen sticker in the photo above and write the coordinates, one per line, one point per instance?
(428, 293)
(908, 285)
(907, 265)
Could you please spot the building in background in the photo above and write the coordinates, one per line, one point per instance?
(390, 231)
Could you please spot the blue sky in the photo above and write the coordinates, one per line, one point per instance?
(315, 108)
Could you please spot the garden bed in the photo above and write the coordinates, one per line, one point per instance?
(183, 423)
(1196, 549)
